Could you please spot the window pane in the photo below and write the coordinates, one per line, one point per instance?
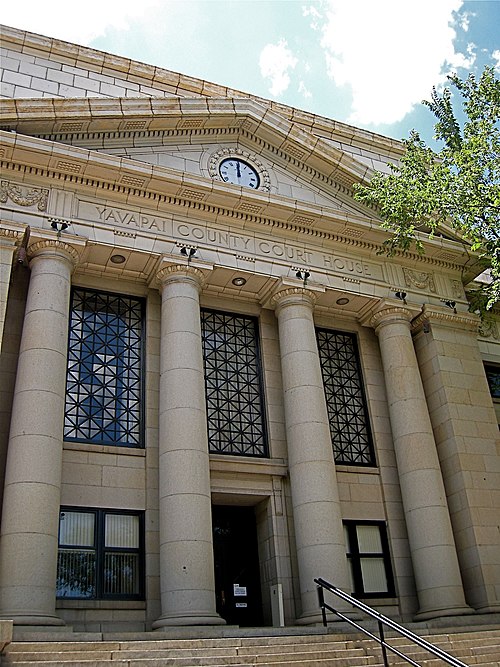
(76, 529)
(233, 384)
(76, 574)
(374, 577)
(345, 399)
(104, 378)
(121, 574)
(369, 540)
(122, 531)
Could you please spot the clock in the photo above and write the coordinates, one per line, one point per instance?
(237, 171)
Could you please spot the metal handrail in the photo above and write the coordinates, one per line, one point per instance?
(382, 620)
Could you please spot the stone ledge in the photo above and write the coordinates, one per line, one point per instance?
(6, 629)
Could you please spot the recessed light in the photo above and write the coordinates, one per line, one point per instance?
(342, 301)
(239, 282)
(117, 259)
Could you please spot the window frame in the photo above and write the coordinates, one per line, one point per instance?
(260, 377)
(100, 550)
(354, 556)
(362, 395)
(142, 370)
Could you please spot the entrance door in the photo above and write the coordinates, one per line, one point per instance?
(237, 578)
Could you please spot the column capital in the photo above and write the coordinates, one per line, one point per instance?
(389, 311)
(288, 296)
(54, 248)
(445, 317)
(181, 272)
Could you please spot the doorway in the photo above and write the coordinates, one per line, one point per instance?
(237, 576)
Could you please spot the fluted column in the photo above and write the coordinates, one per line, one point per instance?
(186, 545)
(30, 519)
(321, 550)
(433, 553)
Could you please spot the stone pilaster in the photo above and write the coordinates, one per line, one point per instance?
(467, 438)
(186, 545)
(434, 557)
(321, 550)
(8, 244)
(30, 519)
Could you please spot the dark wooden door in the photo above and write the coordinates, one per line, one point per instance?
(237, 577)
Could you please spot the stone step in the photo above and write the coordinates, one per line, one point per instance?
(314, 650)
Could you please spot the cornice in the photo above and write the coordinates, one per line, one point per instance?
(180, 85)
(158, 186)
(437, 315)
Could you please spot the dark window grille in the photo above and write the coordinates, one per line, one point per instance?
(345, 399)
(369, 561)
(101, 554)
(235, 410)
(105, 378)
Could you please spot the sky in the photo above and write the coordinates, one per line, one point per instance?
(368, 63)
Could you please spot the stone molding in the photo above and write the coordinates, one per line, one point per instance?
(388, 313)
(10, 234)
(437, 315)
(419, 279)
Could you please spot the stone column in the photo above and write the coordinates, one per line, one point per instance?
(186, 545)
(319, 536)
(433, 553)
(30, 520)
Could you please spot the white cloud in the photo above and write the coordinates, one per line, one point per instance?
(496, 56)
(306, 94)
(390, 53)
(275, 61)
(77, 24)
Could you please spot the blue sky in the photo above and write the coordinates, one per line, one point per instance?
(364, 62)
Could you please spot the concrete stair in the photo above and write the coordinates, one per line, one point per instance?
(324, 649)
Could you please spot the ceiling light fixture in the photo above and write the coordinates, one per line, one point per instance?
(342, 301)
(239, 281)
(117, 259)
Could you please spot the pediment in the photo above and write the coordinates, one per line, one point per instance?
(183, 135)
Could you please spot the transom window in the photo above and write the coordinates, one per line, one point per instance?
(101, 554)
(345, 399)
(105, 378)
(235, 408)
(369, 561)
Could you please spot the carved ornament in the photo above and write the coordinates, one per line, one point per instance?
(419, 279)
(57, 247)
(24, 196)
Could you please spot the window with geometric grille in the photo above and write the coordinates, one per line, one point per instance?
(345, 398)
(369, 561)
(493, 376)
(105, 371)
(235, 409)
(101, 554)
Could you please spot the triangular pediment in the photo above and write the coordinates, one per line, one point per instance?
(184, 135)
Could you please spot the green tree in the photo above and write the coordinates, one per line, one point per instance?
(458, 186)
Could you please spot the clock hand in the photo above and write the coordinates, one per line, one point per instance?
(238, 172)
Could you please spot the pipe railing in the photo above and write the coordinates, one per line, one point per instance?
(382, 621)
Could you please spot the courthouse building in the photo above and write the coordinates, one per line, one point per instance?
(214, 386)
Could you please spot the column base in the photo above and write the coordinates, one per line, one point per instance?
(33, 620)
(169, 620)
(427, 614)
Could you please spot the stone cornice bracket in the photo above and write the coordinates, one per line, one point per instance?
(55, 248)
(445, 317)
(170, 271)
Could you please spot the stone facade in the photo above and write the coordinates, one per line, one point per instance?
(367, 448)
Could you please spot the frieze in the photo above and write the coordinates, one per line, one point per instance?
(23, 196)
(419, 279)
(242, 245)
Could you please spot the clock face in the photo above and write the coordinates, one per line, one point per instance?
(234, 170)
